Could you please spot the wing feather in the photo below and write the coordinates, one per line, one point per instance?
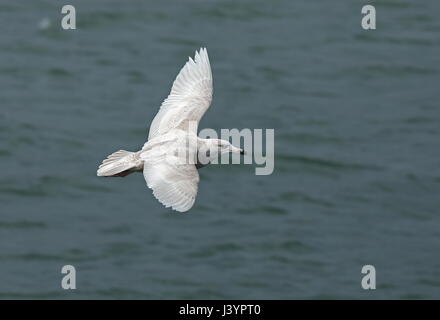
(173, 185)
(190, 97)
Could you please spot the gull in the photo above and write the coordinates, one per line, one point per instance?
(169, 159)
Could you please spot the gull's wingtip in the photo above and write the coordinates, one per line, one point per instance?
(201, 56)
(202, 50)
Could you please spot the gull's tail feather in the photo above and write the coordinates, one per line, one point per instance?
(119, 164)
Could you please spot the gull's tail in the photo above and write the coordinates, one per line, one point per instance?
(119, 164)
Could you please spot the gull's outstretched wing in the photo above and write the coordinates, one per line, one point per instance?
(189, 98)
(174, 185)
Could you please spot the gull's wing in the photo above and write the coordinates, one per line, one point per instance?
(174, 185)
(189, 98)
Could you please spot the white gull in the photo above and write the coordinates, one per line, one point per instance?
(172, 137)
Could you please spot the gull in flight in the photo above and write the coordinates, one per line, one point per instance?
(163, 159)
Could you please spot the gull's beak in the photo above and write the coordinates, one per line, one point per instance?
(236, 150)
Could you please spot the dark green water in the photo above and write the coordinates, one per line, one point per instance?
(357, 168)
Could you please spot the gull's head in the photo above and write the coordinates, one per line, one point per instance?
(224, 146)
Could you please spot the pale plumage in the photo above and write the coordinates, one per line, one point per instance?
(172, 137)
(189, 98)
